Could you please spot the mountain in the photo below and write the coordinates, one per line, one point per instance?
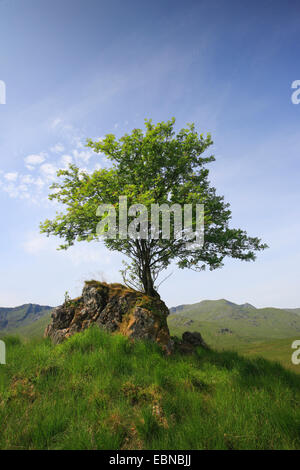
(223, 323)
(24, 318)
(177, 309)
(295, 310)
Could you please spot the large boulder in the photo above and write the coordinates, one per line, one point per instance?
(117, 309)
(190, 341)
(194, 339)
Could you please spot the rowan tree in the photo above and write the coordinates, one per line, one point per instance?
(157, 166)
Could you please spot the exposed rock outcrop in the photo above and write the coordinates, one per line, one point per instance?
(190, 341)
(115, 308)
(225, 330)
(194, 338)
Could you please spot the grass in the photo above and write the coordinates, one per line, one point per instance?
(246, 324)
(32, 330)
(102, 391)
(279, 350)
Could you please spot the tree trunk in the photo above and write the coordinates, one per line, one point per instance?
(147, 281)
(145, 273)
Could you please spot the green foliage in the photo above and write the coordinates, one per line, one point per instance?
(155, 167)
(101, 391)
(68, 299)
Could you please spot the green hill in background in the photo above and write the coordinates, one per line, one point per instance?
(225, 322)
(295, 310)
(268, 332)
(26, 320)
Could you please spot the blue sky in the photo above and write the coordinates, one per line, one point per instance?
(82, 68)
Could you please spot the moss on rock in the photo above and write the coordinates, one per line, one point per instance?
(115, 308)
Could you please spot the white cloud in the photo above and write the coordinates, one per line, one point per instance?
(11, 190)
(66, 160)
(48, 170)
(60, 125)
(70, 148)
(77, 142)
(27, 179)
(39, 183)
(83, 155)
(34, 159)
(58, 148)
(27, 187)
(11, 176)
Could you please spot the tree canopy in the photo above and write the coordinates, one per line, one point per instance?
(157, 166)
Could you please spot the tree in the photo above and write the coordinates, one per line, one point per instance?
(155, 167)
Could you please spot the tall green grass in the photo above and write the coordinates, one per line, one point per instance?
(102, 391)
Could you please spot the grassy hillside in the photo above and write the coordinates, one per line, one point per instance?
(34, 329)
(223, 324)
(23, 319)
(100, 391)
(295, 310)
(276, 350)
(268, 332)
(226, 323)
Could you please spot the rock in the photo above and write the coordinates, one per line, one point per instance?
(194, 339)
(225, 330)
(188, 323)
(189, 342)
(116, 308)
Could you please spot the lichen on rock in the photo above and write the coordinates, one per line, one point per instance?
(116, 308)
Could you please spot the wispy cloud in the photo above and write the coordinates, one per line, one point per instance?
(57, 148)
(11, 176)
(34, 159)
(40, 169)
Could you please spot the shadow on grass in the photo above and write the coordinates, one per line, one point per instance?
(251, 372)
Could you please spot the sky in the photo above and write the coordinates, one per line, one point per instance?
(78, 69)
